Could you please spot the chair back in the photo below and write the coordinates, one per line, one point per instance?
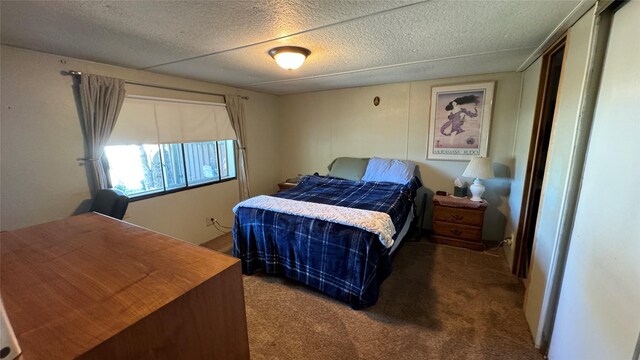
(110, 202)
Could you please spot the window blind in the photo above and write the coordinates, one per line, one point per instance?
(136, 124)
(152, 120)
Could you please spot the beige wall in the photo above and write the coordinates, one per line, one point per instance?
(598, 314)
(318, 127)
(521, 145)
(40, 179)
(556, 181)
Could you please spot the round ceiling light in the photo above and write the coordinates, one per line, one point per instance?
(289, 57)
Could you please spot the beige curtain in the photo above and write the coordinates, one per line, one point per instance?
(101, 99)
(236, 115)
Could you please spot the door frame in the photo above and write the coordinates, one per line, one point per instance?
(524, 230)
(542, 328)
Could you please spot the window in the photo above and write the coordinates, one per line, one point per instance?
(159, 147)
(139, 170)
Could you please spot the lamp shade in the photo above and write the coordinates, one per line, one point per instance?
(479, 168)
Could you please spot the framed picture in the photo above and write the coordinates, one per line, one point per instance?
(460, 121)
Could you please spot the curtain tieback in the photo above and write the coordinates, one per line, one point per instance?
(242, 148)
(87, 159)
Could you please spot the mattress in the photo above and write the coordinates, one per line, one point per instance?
(403, 232)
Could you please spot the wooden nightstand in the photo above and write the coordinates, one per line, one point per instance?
(286, 186)
(458, 222)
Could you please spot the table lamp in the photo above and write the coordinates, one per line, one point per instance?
(478, 168)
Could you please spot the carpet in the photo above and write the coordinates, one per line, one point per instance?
(440, 302)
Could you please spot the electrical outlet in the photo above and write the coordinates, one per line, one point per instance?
(209, 221)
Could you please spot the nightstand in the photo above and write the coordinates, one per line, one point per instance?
(286, 186)
(458, 222)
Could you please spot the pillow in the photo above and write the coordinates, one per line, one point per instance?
(348, 168)
(389, 170)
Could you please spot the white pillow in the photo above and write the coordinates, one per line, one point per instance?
(389, 170)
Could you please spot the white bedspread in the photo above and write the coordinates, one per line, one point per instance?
(376, 222)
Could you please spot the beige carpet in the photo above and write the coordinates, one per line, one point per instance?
(440, 302)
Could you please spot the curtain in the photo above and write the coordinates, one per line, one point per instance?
(101, 99)
(236, 115)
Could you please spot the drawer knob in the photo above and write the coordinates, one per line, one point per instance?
(457, 217)
(456, 232)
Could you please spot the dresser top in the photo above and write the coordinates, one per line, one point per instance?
(69, 285)
(453, 201)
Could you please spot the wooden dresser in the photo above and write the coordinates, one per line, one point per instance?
(286, 186)
(458, 222)
(92, 287)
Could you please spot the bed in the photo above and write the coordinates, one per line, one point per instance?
(312, 245)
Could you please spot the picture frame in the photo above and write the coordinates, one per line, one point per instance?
(460, 121)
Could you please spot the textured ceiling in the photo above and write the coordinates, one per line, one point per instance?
(353, 43)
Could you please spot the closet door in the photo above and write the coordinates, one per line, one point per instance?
(599, 311)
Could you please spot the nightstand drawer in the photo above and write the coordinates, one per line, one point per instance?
(457, 231)
(458, 215)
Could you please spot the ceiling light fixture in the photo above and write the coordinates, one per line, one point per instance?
(289, 57)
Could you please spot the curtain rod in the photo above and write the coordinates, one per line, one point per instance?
(78, 73)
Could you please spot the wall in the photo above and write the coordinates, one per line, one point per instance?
(556, 180)
(41, 180)
(521, 145)
(320, 126)
(598, 316)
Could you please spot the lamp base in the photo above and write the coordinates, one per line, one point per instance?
(477, 189)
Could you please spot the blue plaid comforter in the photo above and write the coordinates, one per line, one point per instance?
(342, 261)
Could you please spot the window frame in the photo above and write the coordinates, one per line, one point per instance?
(134, 198)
